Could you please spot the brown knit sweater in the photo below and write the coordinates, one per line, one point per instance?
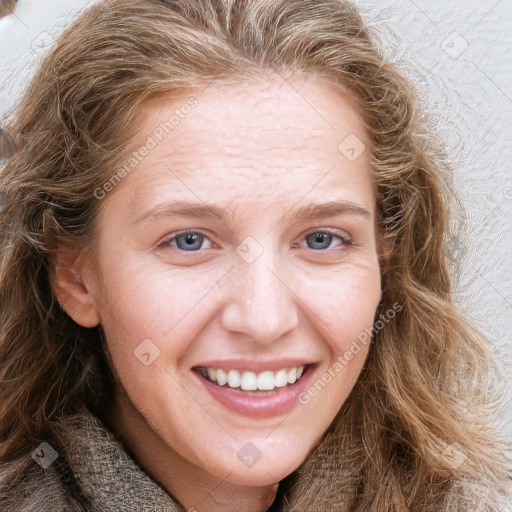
(93, 472)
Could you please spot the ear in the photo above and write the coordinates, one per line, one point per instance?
(71, 285)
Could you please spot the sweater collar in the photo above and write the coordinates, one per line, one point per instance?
(112, 480)
(106, 473)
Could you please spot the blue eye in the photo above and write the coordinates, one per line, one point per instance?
(190, 241)
(322, 240)
(186, 241)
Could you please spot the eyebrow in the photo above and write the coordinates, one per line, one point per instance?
(214, 212)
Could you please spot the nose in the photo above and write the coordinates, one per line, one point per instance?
(262, 304)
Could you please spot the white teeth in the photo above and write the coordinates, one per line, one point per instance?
(250, 381)
(266, 381)
(281, 378)
(233, 379)
(221, 377)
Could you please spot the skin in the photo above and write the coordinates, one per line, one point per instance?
(260, 150)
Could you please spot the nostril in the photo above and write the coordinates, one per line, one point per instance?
(7, 7)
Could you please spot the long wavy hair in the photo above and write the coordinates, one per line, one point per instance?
(428, 388)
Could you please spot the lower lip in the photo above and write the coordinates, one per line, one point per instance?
(259, 406)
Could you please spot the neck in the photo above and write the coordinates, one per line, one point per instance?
(192, 486)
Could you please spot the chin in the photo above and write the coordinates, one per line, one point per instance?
(261, 476)
(259, 472)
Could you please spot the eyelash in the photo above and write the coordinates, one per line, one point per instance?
(345, 239)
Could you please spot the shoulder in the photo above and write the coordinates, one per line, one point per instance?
(90, 470)
(25, 486)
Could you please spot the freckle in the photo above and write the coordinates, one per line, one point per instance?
(232, 150)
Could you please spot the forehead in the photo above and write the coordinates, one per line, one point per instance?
(269, 140)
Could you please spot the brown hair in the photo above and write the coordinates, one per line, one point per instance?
(427, 386)
(7, 7)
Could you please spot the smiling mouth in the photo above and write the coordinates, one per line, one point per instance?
(262, 383)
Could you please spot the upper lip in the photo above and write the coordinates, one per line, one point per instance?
(252, 365)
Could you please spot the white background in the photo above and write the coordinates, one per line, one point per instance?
(465, 80)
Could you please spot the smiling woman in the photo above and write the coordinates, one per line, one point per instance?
(223, 278)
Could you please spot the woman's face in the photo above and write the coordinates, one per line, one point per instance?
(268, 283)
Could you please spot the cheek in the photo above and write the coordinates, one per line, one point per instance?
(141, 303)
(345, 304)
